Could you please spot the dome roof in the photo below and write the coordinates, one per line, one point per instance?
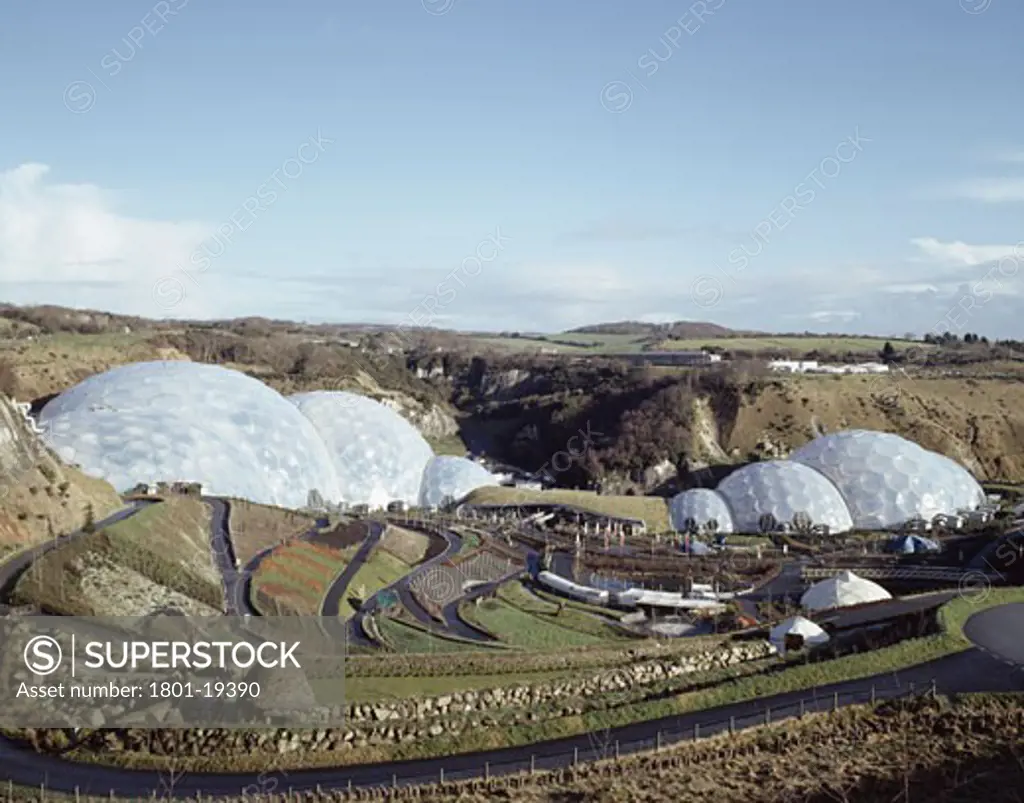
(702, 505)
(887, 480)
(842, 591)
(378, 456)
(797, 625)
(190, 422)
(451, 476)
(783, 488)
(967, 493)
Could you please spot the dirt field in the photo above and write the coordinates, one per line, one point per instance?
(256, 527)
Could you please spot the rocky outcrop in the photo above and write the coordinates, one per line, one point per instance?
(39, 496)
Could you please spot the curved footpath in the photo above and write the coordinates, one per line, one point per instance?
(11, 569)
(402, 588)
(997, 632)
(332, 599)
(969, 671)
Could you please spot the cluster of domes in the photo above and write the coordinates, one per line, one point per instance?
(184, 421)
(855, 479)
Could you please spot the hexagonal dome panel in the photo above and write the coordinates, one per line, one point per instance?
(378, 456)
(967, 493)
(783, 489)
(184, 421)
(448, 475)
(887, 480)
(702, 505)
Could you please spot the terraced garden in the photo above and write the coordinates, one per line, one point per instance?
(294, 578)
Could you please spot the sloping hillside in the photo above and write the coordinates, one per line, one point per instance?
(39, 496)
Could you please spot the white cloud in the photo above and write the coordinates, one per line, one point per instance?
(961, 253)
(990, 190)
(56, 239)
(830, 315)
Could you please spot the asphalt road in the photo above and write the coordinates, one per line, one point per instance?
(11, 570)
(336, 593)
(402, 588)
(1000, 632)
(967, 671)
(236, 598)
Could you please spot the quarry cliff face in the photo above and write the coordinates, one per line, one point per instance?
(39, 496)
(977, 422)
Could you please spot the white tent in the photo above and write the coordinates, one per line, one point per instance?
(797, 626)
(842, 591)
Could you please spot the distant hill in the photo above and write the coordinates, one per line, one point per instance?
(677, 329)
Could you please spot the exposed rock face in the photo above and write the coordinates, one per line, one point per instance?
(39, 496)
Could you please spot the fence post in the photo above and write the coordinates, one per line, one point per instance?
(616, 749)
(835, 701)
(732, 725)
(487, 770)
(394, 780)
(696, 731)
(657, 740)
(935, 691)
(78, 795)
(801, 708)
(575, 756)
(872, 694)
(768, 716)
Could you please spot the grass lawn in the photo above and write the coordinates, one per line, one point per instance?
(652, 509)
(517, 628)
(549, 611)
(409, 638)
(168, 543)
(381, 570)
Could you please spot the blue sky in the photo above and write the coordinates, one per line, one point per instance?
(783, 165)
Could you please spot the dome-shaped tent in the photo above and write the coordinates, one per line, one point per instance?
(811, 633)
(842, 591)
(911, 544)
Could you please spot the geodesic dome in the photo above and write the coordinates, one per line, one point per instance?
(842, 591)
(967, 492)
(702, 505)
(378, 456)
(189, 422)
(887, 480)
(451, 476)
(783, 488)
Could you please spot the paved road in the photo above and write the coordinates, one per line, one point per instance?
(402, 589)
(972, 670)
(336, 593)
(236, 598)
(1000, 632)
(11, 570)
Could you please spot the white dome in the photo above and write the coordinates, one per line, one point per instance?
(702, 505)
(888, 480)
(812, 634)
(378, 456)
(783, 489)
(190, 422)
(967, 493)
(842, 591)
(447, 475)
